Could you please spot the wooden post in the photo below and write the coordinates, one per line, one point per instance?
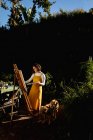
(12, 108)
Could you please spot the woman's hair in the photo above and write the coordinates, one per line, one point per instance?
(38, 66)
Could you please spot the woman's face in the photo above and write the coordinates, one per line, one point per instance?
(35, 69)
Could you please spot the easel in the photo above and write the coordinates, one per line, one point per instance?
(22, 85)
(23, 89)
(14, 98)
(12, 102)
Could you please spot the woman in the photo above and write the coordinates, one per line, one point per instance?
(35, 94)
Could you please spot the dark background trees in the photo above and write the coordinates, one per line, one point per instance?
(59, 42)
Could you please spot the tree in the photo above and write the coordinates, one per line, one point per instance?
(82, 89)
(16, 16)
(21, 15)
(91, 10)
(87, 72)
(3, 5)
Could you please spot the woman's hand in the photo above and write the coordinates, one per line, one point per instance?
(37, 83)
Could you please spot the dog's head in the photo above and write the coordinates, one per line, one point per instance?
(54, 104)
(43, 109)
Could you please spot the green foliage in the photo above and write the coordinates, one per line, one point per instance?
(49, 78)
(80, 90)
(32, 15)
(6, 77)
(15, 18)
(74, 91)
(3, 5)
(20, 15)
(44, 4)
(87, 69)
(91, 10)
(49, 90)
(24, 12)
(77, 12)
(69, 94)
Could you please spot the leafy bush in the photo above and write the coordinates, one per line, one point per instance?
(49, 90)
(76, 91)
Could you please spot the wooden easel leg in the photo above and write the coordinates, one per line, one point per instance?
(13, 99)
(12, 108)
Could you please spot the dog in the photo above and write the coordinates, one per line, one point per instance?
(48, 113)
(54, 105)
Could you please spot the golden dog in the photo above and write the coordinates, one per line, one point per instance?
(48, 113)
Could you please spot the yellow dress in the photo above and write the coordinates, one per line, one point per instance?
(35, 94)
